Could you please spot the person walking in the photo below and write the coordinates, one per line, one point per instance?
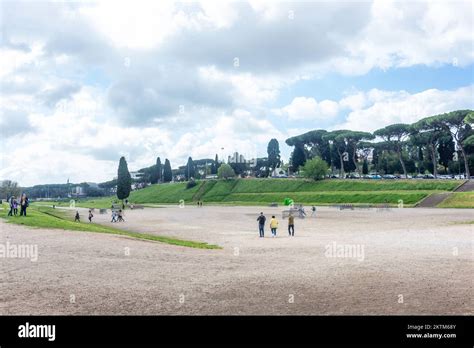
(274, 226)
(120, 216)
(114, 216)
(15, 206)
(261, 225)
(77, 217)
(10, 202)
(23, 204)
(313, 210)
(291, 225)
(90, 215)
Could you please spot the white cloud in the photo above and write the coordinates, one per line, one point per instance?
(308, 108)
(67, 93)
(387, 107)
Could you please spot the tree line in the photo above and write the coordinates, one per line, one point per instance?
(441, 141)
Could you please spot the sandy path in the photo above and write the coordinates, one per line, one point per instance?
(419, 253)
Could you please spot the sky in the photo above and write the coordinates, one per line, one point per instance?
(83, 83)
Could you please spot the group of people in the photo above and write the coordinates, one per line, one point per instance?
(77, 218)
(274, 225)
(117, 216)
(14, 203)
(199, 204)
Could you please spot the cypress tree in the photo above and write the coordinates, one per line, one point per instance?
(215, 166)
(159, 170)
(124, 180)
(189, 169)
(167, 173)
(298, 159)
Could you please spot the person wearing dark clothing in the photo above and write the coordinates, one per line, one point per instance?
(23, 204)
(15, 207)
(261, 224)
(90, 215)
(77, 218)
(10, 202)
(120, 216)
(291, 225)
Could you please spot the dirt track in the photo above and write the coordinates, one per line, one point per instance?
(419, 253)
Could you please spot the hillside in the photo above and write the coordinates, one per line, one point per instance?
(265, 191)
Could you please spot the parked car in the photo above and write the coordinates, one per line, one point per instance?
(375, 176)
(389, 176)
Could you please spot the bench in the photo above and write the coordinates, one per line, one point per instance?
(346, 206)
(384, 206)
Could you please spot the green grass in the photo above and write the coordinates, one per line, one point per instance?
(458, 200)
(263, 191)
(357, 197)
(44, 217)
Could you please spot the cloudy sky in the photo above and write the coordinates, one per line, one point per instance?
(83, 83)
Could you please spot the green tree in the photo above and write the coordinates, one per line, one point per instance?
(315, 168)
(458, 122)
(124, 180)
(354, 139)
(159, 170)
(446, 150)
(215, 165)
(156, 172)
(365, 167)
(225, 171)
(430, 130)
(9, 188)
(395, 135)
(273, 150)
(298, 158)
(315, 142)
(190, 170)
(167, 172)
(339, 146)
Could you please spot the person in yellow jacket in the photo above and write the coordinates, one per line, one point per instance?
(274, 226)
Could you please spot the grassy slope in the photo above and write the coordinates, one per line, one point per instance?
(43, 217)
(263, 191)
(459, 200)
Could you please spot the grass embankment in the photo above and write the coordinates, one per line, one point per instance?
(458, 200)
(265, 191)
(45, 217)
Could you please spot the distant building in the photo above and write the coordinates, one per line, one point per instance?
(239, 158)
(136, 175)
(78, 191)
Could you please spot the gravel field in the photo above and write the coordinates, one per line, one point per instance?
(403, 261)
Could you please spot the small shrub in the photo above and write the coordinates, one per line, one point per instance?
(191, 184)
(315, 168)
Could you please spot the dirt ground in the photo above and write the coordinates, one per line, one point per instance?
(408, 261)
